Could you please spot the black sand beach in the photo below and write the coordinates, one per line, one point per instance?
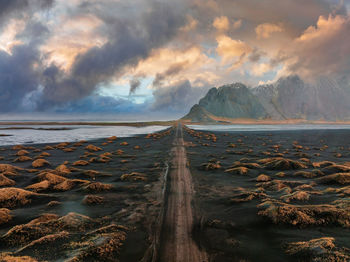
(272, 196)
(256, 196)
(89, 201)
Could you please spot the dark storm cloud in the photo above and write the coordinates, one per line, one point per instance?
(100, 104)
(17, 76)
(256, 55)
(133, 30)
(178, 97)
(129, 40)
(17, 8)
(20, 71)
(134, 84)
(172, 70)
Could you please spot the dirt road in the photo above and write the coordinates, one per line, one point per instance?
(177, 242)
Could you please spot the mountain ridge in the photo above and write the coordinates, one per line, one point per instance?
(288, 98)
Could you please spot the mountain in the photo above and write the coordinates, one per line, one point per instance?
(199, 114)
(288, 98)
(229, 101)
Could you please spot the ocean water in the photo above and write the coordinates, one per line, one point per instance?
(241, 128)
(74, 133)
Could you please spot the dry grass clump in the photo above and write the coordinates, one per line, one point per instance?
(280, 163)
(22, 152)
(44, 225)
(80, 163)
(338, 178)
(45, 154)
(93, 200)
(306, 174)
(40, 163)
(98, 187)
(53, 243)
(18, 147)
(69, 184)
(68, 149)
(320, 250)
(4, 181)
(6, 257)
(23, 159)
(52, 178)
(53, 203)
(210, 166)
(106, 247)
(93, 148)
(246, 164)
(62, 145)
(134, 176)
(247, 196)
(124, 143)
(63, 170)
(296, 196)
(319, 245)
(11, 197)
(336, 168)
(238, 170)
(5, 215)
(7, 168)
(305, 215)
(263, 178)
(40, 186)
(274, 185)
(112, 138)
(56, 182)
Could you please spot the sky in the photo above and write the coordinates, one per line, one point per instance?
(158, 58)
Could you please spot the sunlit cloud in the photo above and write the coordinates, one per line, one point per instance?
(230, 49)
(8, 35)
(267, 29)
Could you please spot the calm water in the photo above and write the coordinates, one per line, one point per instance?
(231, 128)
(75, 133)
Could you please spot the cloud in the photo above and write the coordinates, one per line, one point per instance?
(321, 50)
(22, 8)
(178, 97)
(221, 23)
(134, 84)
(99, 104)
(172, 70)
(260, 69)
(237, 24)
(128, 42)
(265, 30)
(18, 76)
(59, 53)
(230, 49)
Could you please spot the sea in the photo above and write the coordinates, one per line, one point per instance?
(285, 127)
(36, 134)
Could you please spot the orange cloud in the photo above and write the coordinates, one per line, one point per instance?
(265, 30)
(221, 23)
(260, 69)
(71, 37)
(230, 49)
(237, 24)
(191, 64)
(321, 50)
(8, 36)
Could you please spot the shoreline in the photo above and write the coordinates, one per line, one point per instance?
(221, 121)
